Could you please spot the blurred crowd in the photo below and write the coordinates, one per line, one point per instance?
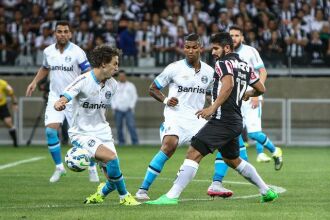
(151, 32)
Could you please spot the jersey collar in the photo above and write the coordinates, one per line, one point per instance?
(66, 46)
(94, 77)
(190, 66)
(239, 48)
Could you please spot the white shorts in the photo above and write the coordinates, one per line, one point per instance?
(91, 143)
(184, 129)
(53, 116)
(251, 117)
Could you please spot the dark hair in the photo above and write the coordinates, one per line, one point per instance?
(223, 39)
(63, 23)
(102, 54)
(237, 28)
(193, 37)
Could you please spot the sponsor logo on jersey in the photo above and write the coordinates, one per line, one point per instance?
(108, 95)
(95, 105)
(204, 79)
(191, 89)
(68, 59)
(240, 65)
(91, 143)
(62, 68)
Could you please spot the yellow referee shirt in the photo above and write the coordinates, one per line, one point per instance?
(5, 90)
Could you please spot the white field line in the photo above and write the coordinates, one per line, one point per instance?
(8, 165)
(278, 189)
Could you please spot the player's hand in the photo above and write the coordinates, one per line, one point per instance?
(254, 102)
(205, 113)
(59, 105)
(30, 89)
(173, 101)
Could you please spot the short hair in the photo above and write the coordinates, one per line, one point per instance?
(193, 37)
(63, 23)
(237, 28)
(102, 54)
(223, 39)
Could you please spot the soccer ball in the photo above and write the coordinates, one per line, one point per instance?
(77, 159)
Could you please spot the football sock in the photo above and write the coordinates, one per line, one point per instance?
(262, 138)
(250, 173)
(259, 148)
(155, 167)
(12, 133)
(92, 163)
(186, 173)
(54, 145)
(220, 168)
(242, 148)
(116, 177)
(108, 188)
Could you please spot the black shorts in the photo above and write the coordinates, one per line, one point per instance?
(4, 112)
(219, 135)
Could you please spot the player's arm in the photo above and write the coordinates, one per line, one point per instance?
(227, 82)
(157, 94)
(208, 99)
(41, 74)
(258, 89)
(60, 104)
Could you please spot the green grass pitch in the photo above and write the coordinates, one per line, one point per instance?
(25, 191)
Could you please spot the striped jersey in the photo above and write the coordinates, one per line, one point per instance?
(243, 74)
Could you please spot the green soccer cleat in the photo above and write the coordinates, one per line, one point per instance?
(96, 197)
(277, 156)
(129, 200)
(163, 200)
(269, 196)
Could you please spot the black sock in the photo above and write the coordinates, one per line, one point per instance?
(12, 133)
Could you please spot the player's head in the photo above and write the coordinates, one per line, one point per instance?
(62, 33)
(221, 44)
(192, 48)
(106, 59)
(236, 34)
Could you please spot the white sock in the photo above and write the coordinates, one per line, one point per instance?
(185, 175)
(250, 173)
(60, 166)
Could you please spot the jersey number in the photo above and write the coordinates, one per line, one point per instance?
(241, 87)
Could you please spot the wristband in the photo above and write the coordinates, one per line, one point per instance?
(165, 101)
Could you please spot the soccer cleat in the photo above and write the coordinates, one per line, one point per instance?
(57, 175)
(142, 195)
(129, 200)
(277, 156)
(216, 189)
(269, 196)
(163, 200)
(96, 197)
(263, 158)
(93, 175)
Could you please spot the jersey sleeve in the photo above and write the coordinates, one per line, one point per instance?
(256, 59)
(223, 68)
(83, 61)
(74, 88)
(165, 77)
(45, 63)
(254, 77)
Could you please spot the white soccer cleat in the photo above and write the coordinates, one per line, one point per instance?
(57, 175)
(93, 175)
(216, 189)
(142, 195)
(263, 158)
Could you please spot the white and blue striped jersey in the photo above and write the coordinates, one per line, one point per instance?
(64, 67)
(90, 100)
(187, 86)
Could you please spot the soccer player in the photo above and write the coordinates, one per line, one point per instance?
(188, 80)
(231, 77)
(63, 61)
(251, 112)
(90, 95)
(7, 90)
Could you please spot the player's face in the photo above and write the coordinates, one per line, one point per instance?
(62, 34)
(111, 68)
(237, 37)
(192, 50)
(217, 51)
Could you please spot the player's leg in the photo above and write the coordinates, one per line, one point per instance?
(119, 118)
(169, 145)
(130, 123)
(5, 116)
(220, 171)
